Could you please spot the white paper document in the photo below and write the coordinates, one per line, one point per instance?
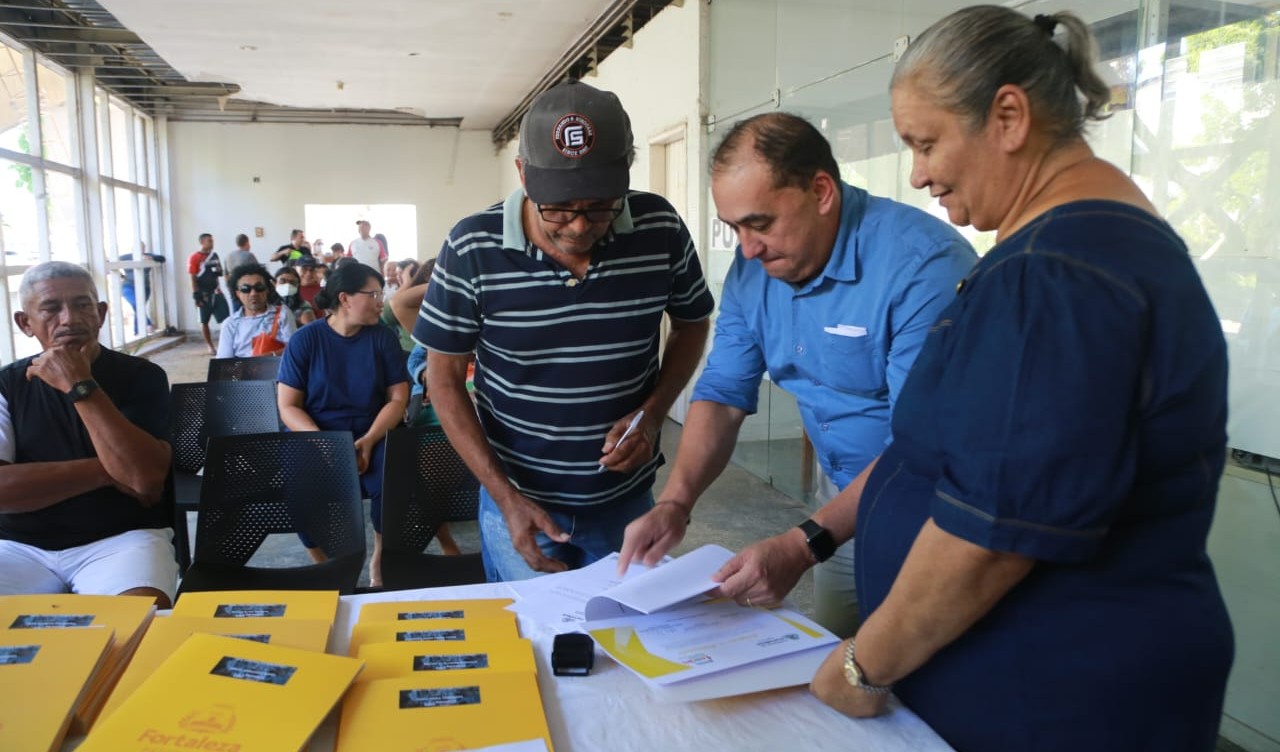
(676, 645)
(566, 600)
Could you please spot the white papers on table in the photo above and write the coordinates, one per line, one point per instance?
(566, 600)
(676, 645)
(533, 745)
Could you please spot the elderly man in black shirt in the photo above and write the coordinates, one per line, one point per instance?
(83, 461)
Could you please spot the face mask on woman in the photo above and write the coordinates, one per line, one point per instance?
(285, 290)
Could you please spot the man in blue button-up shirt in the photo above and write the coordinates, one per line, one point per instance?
(832, 292)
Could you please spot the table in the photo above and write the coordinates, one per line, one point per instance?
(612, 710)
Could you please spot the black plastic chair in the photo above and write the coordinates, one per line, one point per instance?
(198, 411)
(260, 368)
(261, 484)
(425, 484)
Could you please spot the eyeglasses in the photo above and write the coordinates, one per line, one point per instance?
(561, 216)
(375, 294)
(246, 289)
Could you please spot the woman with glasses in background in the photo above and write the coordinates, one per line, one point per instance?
(259, 314)
(346, 373)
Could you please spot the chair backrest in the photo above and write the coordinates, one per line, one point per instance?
(219, 408)
(259, 484)
(236, 407)
(186, 426)
(424, 484)
(260, 368)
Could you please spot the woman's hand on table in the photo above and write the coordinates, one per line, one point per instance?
(831, 686)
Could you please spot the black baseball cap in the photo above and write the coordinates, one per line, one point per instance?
(576, 144)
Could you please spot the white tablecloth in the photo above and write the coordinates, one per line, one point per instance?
(612, 711)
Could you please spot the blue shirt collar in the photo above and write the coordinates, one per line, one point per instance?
(843, 264)
(513, 227)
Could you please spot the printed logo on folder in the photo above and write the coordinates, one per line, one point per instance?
(16, 655)
(439, 697)
(51, 621)
(431, 634)
(258, 671)
(409, 615)
(450, 662)
(249, 610)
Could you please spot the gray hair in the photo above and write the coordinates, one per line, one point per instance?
(967, 56)
(53, 270)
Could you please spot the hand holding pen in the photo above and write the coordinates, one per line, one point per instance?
(631, 449)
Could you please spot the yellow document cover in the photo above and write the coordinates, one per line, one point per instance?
(387, 660)
(167, 633)
(43, 675)
(127, 615)
(425, 610)
(442, 710)
(222, 693)
(478, 629)
(251, 604)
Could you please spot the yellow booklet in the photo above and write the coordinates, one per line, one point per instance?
(264, 604)
(478, 629)
(167, 633)
(43, 675)
(442, 710)
(127, 615)
(222, 693)
(387, 660)
(427, 610)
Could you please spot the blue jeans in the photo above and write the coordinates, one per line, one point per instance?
(594, 533)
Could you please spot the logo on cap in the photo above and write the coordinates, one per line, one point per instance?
(574, 136)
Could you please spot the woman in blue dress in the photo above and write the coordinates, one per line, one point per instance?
(347, 373)
(1031, 546)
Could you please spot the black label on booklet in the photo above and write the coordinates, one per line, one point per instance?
(436, 698)
(248, 610)
(258, 671)
(407, 615)
(263, 638)
(450, 662)
(12, 655)
(51, 621)
(450, 635)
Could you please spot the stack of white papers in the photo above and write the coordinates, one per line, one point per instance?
(662, 625)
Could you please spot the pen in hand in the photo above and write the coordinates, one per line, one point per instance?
(635, 421)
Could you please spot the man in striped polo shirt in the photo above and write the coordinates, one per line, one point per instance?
(560, 291)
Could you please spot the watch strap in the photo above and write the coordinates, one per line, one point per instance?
(853, 674)
(819, 540)
(82, 390)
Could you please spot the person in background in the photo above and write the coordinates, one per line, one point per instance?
(1031, 545)
(365, 249)
(83, 455)
(322, 253)
(239, 257)
(406, 271)
(128, 293)
(346, 373)
(295, 249)
(336, 252)
(383, 253)
(205, 269)
(309, 272)
(391, 273)
(261, 313)
(287, 285)
(400, 312)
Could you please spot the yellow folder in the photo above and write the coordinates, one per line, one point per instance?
(387, 660)
(428, 610)
(249, 604)
(167, 633)
(492, 629)
(127, 615)
(219, 692)
(43, 675)
(442, 710)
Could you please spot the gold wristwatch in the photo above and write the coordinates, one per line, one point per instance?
(853, 675)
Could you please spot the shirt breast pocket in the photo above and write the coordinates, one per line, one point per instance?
(852, 364)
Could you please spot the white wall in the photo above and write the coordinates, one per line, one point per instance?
(445, 172)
